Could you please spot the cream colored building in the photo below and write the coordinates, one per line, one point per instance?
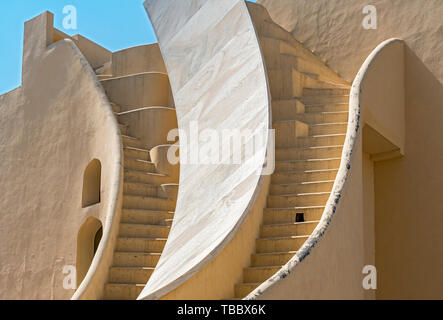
(92, 207)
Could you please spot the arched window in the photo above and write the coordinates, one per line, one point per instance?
(88, 240)
(91, 184)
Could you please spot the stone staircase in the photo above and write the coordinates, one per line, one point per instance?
(310, 114)
(149, 199)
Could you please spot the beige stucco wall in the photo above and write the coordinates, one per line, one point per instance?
(333, 266)
(408, 201)
(50, 129)
(96, 55)
(133, 60)
(333, 29)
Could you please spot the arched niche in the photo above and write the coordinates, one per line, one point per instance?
(91, 184)
(88, 239)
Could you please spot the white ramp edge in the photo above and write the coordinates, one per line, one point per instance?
(219, 82)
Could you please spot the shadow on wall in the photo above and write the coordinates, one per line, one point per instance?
(334, 30)
(92, 184)
(408, 201)
(88, 240)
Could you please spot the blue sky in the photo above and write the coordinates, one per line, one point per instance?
(114, 24)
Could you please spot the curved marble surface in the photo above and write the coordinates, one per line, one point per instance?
(219, 82)
(340, 181)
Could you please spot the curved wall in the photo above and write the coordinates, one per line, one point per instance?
(219, 82)
(133, 60)
(51, 128)
(333, 29)
(408, 204)
(329, 265)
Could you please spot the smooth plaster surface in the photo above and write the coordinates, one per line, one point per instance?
(333, 29)
(408, 202)
(218, 79)
(51, 128)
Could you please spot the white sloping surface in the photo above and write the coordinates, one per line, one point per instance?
(219, 82)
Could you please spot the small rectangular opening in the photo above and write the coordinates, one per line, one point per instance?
(300, 217)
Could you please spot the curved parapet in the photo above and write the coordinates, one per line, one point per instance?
(332, 271)
(61, 171)
(219, 84)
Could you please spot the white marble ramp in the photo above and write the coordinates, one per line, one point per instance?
(219, 82)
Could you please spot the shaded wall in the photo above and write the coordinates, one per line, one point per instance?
(333, 29)
(409, 206)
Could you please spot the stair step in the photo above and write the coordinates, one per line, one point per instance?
(242, 290)
(280, 244)
(321, 99)
(333, 107)
(328, 128)
(259, 274)
(156, 179)
(294, 109)
(322, 117)
(302, 187)
(143, 230)
(322, 140)
(130, 274)
(304, 176)
(148, 203)
(136, 153)
(272, 30)
(129, 141)
(116, 108)
(139, 165)
(326, 91)
(311, 141)
(298, 200)
(140, 189)
(286, 132)
(286, 109)
(311, 75)
(284, 61)
(103, 77)
(275, 40)
(135, 259)
(154, 217)
(289, 215)
(289, 84)
(288, 229)
(122, 291)
(154, 245)
(305, 165)
(123, 128)
(289, 46)
(272, 259)
(325, 152)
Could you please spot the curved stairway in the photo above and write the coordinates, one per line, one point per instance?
(149, 200)
(310, 114)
